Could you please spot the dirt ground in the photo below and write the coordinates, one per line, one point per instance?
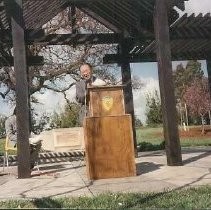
(192, 132)
(196, 132)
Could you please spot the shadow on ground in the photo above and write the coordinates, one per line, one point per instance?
(146, 167)
(47, 203)
(198, 157)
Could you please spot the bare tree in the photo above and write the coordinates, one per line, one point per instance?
(61, 67)
(198, 99)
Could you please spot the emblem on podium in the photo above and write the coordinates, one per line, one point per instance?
(107, 102)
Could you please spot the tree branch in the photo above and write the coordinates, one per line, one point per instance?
(58, 90)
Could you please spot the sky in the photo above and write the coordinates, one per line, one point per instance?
(198, 6)
(146, 71)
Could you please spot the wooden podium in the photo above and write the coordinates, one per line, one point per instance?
(108, 135)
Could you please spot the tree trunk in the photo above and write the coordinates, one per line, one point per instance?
(181, 118)
(186, 115)
(209, 117)
(202, 123)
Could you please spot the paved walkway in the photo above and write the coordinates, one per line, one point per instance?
(69, 178)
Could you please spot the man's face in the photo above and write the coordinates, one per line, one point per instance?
(86, 72)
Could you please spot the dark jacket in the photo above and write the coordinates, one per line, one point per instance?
(81, 93)
(81, 90)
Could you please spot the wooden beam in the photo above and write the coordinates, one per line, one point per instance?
(128, 92)
(2, 8)
(77, 39)
(179, 3)
(78, 2)
(20, 65)
(132, 58)
(171, 133)
(38, 36)
(73, 19)
(31, 61)
(151, 57)
(66, 39)
(30, 34)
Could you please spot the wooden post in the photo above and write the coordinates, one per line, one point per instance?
(73, 19)
(20, 66)
(171, 134)
(128, 93)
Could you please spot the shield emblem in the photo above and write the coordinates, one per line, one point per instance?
(107, 102)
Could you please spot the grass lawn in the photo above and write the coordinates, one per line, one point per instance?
(152, 135)
(192, 198)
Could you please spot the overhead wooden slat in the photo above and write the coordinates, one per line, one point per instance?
(151, 57)
(31, 61)
(124, 21)
(37, 13)
(101, 20)
(131, 16)
(112, 19)
(123, 14)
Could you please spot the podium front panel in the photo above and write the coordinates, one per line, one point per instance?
(106, 101)
(109, 147)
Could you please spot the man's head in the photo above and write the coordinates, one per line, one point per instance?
(86, 71)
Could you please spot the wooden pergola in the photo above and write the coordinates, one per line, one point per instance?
(142, 28)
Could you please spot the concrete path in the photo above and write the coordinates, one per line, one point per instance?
(69, 178)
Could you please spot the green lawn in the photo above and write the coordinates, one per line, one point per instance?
(193, 198)
(146, 134)
(154, 136)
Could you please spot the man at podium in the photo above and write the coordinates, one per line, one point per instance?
(87, 79)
